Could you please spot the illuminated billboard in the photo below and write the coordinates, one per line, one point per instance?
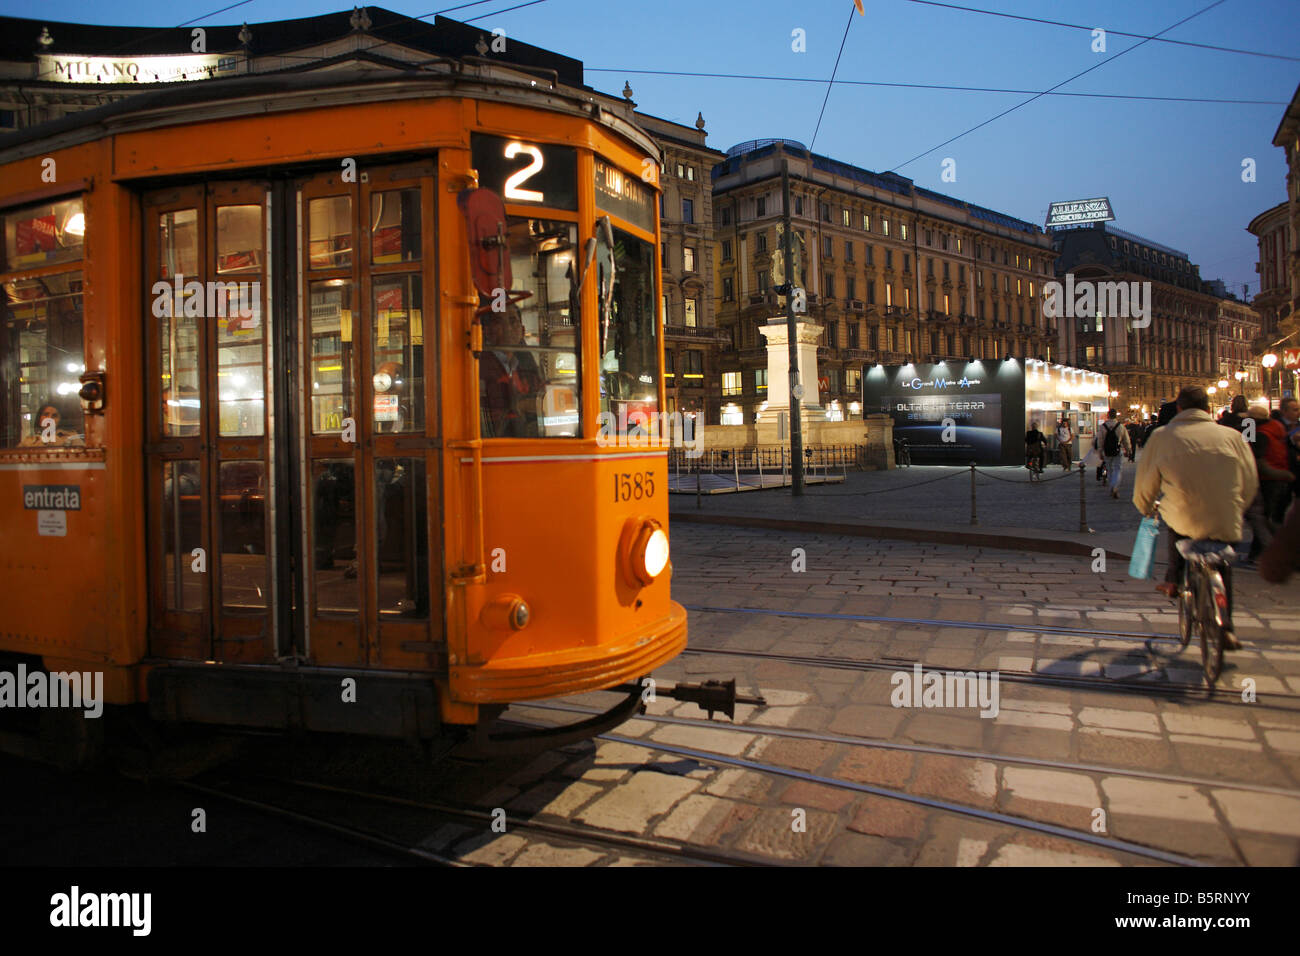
(1079, 210)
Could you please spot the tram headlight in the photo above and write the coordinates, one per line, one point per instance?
(645, 550)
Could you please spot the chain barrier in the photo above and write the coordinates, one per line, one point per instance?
(1021, 481)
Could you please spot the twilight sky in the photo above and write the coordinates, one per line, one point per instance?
(1173, 170)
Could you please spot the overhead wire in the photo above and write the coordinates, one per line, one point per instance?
(831, 84)
(1095, 66)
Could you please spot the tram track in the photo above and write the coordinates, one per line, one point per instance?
(1027, 628)
(658, 849)
(1169, 689)
(988, 816)
(879, 743)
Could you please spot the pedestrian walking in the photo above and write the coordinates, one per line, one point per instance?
(1113, 442)
(1270, 445)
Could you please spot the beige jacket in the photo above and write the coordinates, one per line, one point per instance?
(1206, 473)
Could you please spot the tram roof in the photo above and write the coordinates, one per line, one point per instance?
(351, 84)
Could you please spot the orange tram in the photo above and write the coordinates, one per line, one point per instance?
(302, 383)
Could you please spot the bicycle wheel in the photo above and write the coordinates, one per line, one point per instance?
(1186, 599)
(1214, 600)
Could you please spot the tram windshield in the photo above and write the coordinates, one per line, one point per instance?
(629, 330)
(529, 385)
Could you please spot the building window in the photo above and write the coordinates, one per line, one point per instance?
(929, 238)
(798, 205)
(979, 278)
(889, 294)
(1029, 263)
(873, 338)
(852, 380)
(681, 171)
(760, 380)
(946, 309)
(1019, 290)
(866, 222)
(959, 243)
(854, 337)
(826, 212)
(961, 274)
(1006, 284)
(945, 241)
(827, 249)
(1031, 290)
(871, 292)
(690, 174)
(830, 287)
(929, 265)
(728, 289)
(760, 207)
(663, 254)
(945, 270)
(688, 258)
(688, 211)
(1006, 258)
(731, 383)
(762, 281)
(693, 367)
(690, 313)
(726, 216)
(760, 242)
(902, 231)
(907, 297)
(889, 258)
(907, 262)
(726, 250)
(848, 250)
(884, 226)
(844, 217)
(852, 290)
(833, 334)
(871, 259)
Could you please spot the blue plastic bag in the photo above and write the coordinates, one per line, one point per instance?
(1144, 549)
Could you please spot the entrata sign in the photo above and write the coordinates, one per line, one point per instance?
(1079, 210)
(134, 69)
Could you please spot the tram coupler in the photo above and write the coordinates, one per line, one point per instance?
(711, 695)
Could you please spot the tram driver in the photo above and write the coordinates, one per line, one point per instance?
(47, 429)
(510, 383)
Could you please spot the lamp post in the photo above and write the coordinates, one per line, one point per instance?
(1240, 376)
(1268, 361)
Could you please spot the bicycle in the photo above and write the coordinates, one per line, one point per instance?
(1202, 600)
(902, 456)
(1034, 462)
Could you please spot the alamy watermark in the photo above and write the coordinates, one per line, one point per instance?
(1106, 300)
(639, 429)
(209, 300)
(946, 689)
(58, 689)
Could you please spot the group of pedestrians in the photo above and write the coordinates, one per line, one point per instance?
(1210, 480)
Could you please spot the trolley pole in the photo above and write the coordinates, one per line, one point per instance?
(796, 391)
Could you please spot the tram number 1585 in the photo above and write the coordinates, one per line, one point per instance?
(629, 486)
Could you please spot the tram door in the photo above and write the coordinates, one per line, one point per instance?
(208, 440)
(292, 434)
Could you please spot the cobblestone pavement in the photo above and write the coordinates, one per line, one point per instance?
(1209, 779)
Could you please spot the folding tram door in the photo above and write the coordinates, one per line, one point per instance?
(292, 425)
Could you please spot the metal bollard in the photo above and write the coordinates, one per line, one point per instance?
(735, 462)
(1083, 501)
(973, 519)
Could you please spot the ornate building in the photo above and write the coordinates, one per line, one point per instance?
(892, 272)
(1237, 356)
(1146, 364)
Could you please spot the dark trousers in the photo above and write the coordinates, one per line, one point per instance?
(1277, 496)
(1178, 565)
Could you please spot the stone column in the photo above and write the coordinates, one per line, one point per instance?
(812, 415)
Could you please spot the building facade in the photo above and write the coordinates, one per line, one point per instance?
(1146, 363)
(1237, 356)
(892, 273)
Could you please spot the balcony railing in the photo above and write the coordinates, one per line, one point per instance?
(698, 332)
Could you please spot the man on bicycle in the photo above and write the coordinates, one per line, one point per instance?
(1035, 446)
(1207, 477)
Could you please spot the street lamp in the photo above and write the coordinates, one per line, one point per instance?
(1268, 361)
(1240, 376)
(1223, 383)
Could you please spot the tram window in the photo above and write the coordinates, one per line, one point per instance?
(334, 534)
(43, 235)
(395, 226)
(528, 373)
(243, 535)
(629, 347)
(331, 354)
(182, 526)
(240, 373)
(397, 350)
(329, 221)
(178, 244)
(41, 358)
(239, 238)
(401, 537)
